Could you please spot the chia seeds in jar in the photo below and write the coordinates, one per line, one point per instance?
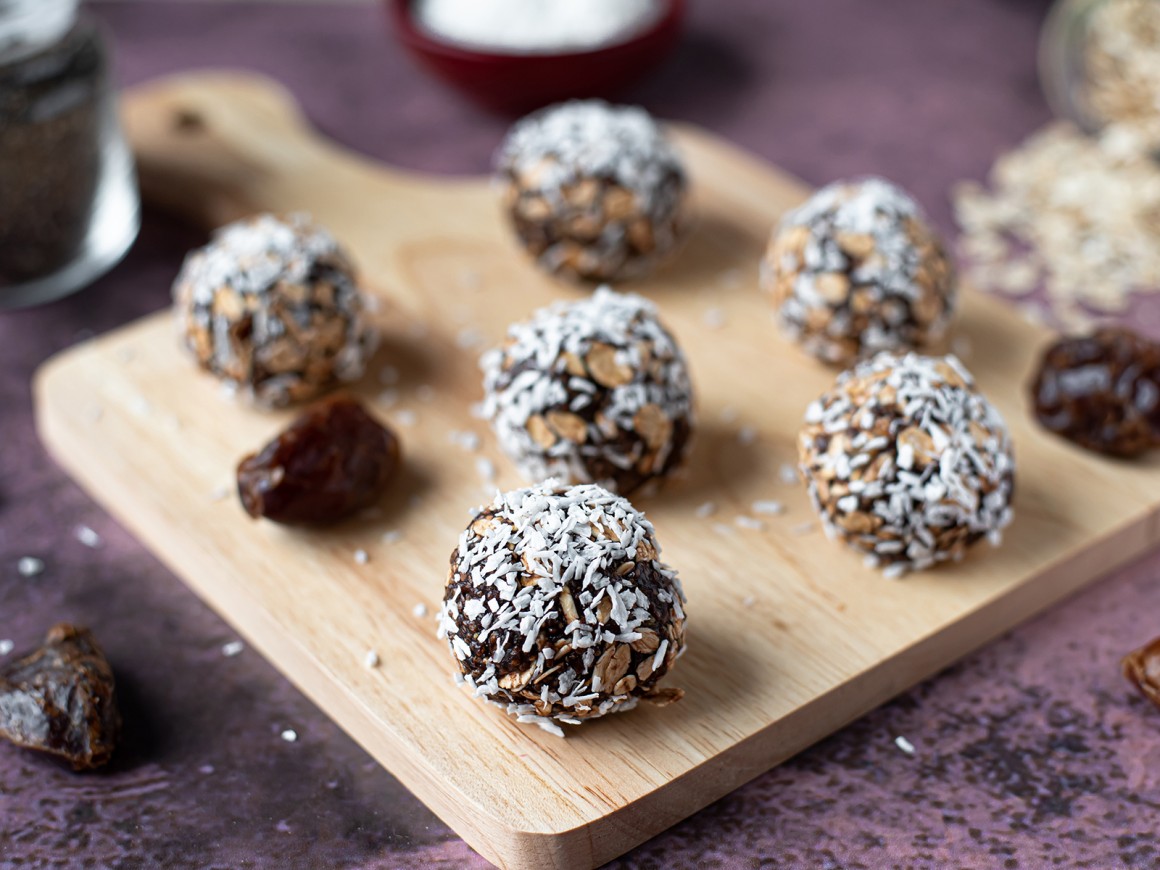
(68, 199)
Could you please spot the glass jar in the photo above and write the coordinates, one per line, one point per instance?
(69, 207)
(1097, 65)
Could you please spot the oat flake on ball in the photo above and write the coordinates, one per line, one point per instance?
(857, 270)
(272, 308)
(591, 391)
(908, 462)
(595, 192)
(558, 608)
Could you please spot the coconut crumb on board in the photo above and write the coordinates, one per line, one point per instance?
(233, 648)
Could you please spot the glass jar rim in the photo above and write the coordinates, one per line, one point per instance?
(29, 26)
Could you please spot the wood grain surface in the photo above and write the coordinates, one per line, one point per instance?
(789, 636)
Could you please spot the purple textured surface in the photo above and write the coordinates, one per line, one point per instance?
(1030, 753)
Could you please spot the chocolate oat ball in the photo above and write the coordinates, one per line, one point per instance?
(594, 191)
(857, 270)
(591, 391)
(558, 607)
(271, 306)
(908, 462)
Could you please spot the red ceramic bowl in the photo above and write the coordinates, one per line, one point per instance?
(518, 83)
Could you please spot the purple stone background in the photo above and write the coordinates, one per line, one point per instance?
(1030, 753)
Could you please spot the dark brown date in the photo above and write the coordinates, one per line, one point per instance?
(61, 699)
(1101, 391)
(333, 460)
(1142, 668)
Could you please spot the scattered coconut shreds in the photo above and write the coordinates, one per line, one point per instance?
(388, 375)
(465, 440)
(722, 529)
(206, 769)
(728, 415)
(388, 398)
(788, 474)
(392, 537)
(714, 317)
(290, 735)
(752, 523)
(1088, 236)
(233, 648)
(220, 493)
(6, 646)
(29, 566)
(361, 556)
(706, 509)
(767, 507)
(469, 338)
(746, 435)
(425, 394)
(803, 528)
(904, 744)
(406, 418)
(486, 469)
(87, 537)
(371, 660)
(420, 610)
(748, 601)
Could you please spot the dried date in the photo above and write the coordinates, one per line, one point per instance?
(1101, 391)
(61, 699)
(333, 460)
(1142, 668)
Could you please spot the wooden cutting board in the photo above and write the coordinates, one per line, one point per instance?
(789, 636)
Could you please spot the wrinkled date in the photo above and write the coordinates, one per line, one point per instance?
(1142, 668)
(332, 461)
(61, 699)
(1101, 391)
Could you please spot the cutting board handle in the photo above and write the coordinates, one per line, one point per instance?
(213, 146)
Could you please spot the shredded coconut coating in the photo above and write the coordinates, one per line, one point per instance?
(594, 191)
(857, 270)
(908, 462)
(591, 391)
(272, 307)
(558, 608)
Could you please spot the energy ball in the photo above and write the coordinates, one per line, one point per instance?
(908, 462)
(271, 306)
(558, 608)
(857, 270)
(594, 391)
(594, 191)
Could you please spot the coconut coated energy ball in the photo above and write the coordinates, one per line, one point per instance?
(271, 306)
(907, 462)
(558, 608)
(591, 391)
(857, 270)
(595, 192)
